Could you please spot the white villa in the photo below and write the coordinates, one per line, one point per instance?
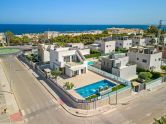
(105, 45)
(123, 42)
(138, 41)
(118, 64)
(145, 57)
(44, 52)
(149, 38)
(71, 59)
(76, 45)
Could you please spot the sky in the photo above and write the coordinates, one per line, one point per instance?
(82, 11)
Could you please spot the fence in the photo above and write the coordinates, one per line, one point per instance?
(154, 83)
(108, 75)
(78, 103)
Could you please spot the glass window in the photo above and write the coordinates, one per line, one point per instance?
(144, 60)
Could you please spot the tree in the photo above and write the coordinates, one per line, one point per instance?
(105, 32)
(145, 75)
(69, 85)
(152, 30)
(152, 41)
(9, 35)
(56, 73)
(25, 39)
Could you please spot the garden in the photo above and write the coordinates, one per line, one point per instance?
(93, 54)
(146, 76)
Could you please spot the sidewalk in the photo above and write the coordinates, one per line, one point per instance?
(10, 104)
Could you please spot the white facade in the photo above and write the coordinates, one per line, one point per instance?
(149, 38)
(51, 34)
(105, 45)
(123, 42)
(44, 52)
(72, 60)
(95, 46)
(139, 41)
(118, 64)
(75, 45)
(146, 58)
(2, 38)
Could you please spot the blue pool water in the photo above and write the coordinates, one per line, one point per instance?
(90, 63)
(93, 88)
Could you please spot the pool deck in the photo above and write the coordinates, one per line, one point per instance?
(83, 80)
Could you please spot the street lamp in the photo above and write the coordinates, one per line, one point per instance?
(116, 94)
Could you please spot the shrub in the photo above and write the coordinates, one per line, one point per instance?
(55, 73)
(163, 68)
(69, 85)
(122, 50)
(145, 75)
(155, 75)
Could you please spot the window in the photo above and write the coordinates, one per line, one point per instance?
(159, 59)
(137, 58)
(144, 60)
(160, 48)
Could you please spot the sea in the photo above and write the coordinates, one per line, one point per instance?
(36, 28)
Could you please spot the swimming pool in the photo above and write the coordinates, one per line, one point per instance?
(90, 63)
(91, 89)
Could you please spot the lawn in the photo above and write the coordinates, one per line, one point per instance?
(8, 50)
(118, 87)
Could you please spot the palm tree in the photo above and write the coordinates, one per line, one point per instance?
(69, 85)
(9, 35)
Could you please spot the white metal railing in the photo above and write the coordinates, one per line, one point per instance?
(108, 75)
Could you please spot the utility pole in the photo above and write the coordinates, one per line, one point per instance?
(159, 31)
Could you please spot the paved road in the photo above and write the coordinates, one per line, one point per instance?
(39, 107)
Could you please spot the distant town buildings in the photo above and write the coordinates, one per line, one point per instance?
(53, 34)
(124, 31)
(2, 38)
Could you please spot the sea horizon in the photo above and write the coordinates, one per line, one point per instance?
(40, 28)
